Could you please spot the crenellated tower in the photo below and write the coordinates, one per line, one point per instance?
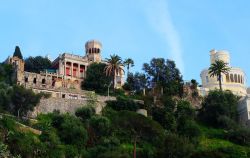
(93, 51)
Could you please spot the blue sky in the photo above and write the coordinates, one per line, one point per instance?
(182, 30)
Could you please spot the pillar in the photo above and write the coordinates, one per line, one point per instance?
(65, 62)
(71, 69)
(79, 71)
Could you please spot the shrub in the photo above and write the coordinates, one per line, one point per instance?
(101, 125)
(85, 112)
(123, 103)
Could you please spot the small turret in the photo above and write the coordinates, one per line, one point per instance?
(93, 50)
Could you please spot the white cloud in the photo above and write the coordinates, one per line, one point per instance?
(160, 19)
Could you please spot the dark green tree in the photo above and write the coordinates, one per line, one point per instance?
(18, 53)
(70, 130)
(37, 64)
(217, 69)
(23, 100)
(217, 104)
(165, 75)
(96, 79)
(128, 63)
(6, 73)
(85, 113)
(176, 147)
(136, 82)
(114, 67)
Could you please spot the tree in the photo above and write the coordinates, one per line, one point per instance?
(136, 82)
(85, 112)
(6, 73)
(129, 63)
(165, 75)
(217, 104)
(70, 130)
(18, 53)
(37, 64)
(114, 67)
(176, 147)
(23, 100)
(96, 79)
(217, 69)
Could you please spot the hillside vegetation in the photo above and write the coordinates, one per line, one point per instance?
(172, 129)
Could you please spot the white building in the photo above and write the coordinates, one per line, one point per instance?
(234, 81)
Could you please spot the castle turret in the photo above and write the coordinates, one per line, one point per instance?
(93, 50)
(219, 55)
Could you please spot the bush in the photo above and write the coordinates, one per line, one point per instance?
(216, 104)
(239, 136)
(101, 125)
(70, 130)
(123, 104)
(176, 147)
(85, 112)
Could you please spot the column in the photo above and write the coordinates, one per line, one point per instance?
(71, 69)
(79, 71)
(64, 74)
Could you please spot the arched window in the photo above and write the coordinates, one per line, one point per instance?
(227, 78)
(235, 78)
(26, 79)
(231, 77)
(238, 78)
(207, 80)
(34, 80)
(43, 81)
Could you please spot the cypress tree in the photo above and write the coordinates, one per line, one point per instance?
(18, 53)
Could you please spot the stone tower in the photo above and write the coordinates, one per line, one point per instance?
(93, 50)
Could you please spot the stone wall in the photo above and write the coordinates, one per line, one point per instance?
(66, 105)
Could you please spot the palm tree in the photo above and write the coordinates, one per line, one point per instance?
(129, 63)
(113, 67)
(218, 68)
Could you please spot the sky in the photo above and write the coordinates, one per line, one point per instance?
(181, 30)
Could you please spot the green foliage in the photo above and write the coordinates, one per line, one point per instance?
(70, 130)
(18, 53)
(85, 112)
(218, 68)
(100, 125)
(23, 100)
(114, 67)
(37, 64)
(96, 79)
(6, 73)
(123, 104)
(176, 147)
(239, 136)
(135, 82)
(165, 75)
(129, 63)
(218, 104)
(131, 125)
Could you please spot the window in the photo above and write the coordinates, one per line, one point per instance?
(235, 78)
(26, 79)
(63, 95)
(227, 78)
(34, 80)
(207, 80)
(239, 79)
(43, 81)
(232, 77)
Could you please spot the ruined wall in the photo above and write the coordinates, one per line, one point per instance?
(66, 105)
